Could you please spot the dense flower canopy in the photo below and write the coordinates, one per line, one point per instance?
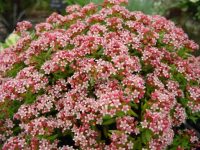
(99, 78)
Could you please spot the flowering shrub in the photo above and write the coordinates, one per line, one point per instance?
(99, 79)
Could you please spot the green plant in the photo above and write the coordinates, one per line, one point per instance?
(100, 77)
(16, 11)
(11, 40)
(146, 6)
(82, 2)
(12, 12)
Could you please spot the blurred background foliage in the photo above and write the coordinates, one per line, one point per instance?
(13, 11)
(185, 13)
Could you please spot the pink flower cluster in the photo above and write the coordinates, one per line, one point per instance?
(98, 79)
(27, 80)
(23, 26)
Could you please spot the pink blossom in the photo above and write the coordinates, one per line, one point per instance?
(99, 79)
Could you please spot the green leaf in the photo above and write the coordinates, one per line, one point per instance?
(138, 144)
(193, 116)
(146, 136)
(15, 69)
(132, 113)
(98, 53)
(177, 76)
(183, 101)
(134, 52)
(180, 140)
(146, 68)
(117, 77)
(105, 131)
(133, 105)
(14, 107)
(107, 117)
(29, 97)
(109, 121)
(16, 130)
(11, 40)
(41, 58)
(52, 137)
(92, 81)
(61, 74)
(183, 52)
(120, 114)
(9, 108)
(145, 106)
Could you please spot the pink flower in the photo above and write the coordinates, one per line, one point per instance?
(99, 79)
(23, 26)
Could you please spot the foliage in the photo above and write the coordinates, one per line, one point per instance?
(11, 40)
(41, 5)
(12, 12)
(184, 13)
(191, 7)
(81, 2)
(146, 6)
(100, 77)
(16, 11)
